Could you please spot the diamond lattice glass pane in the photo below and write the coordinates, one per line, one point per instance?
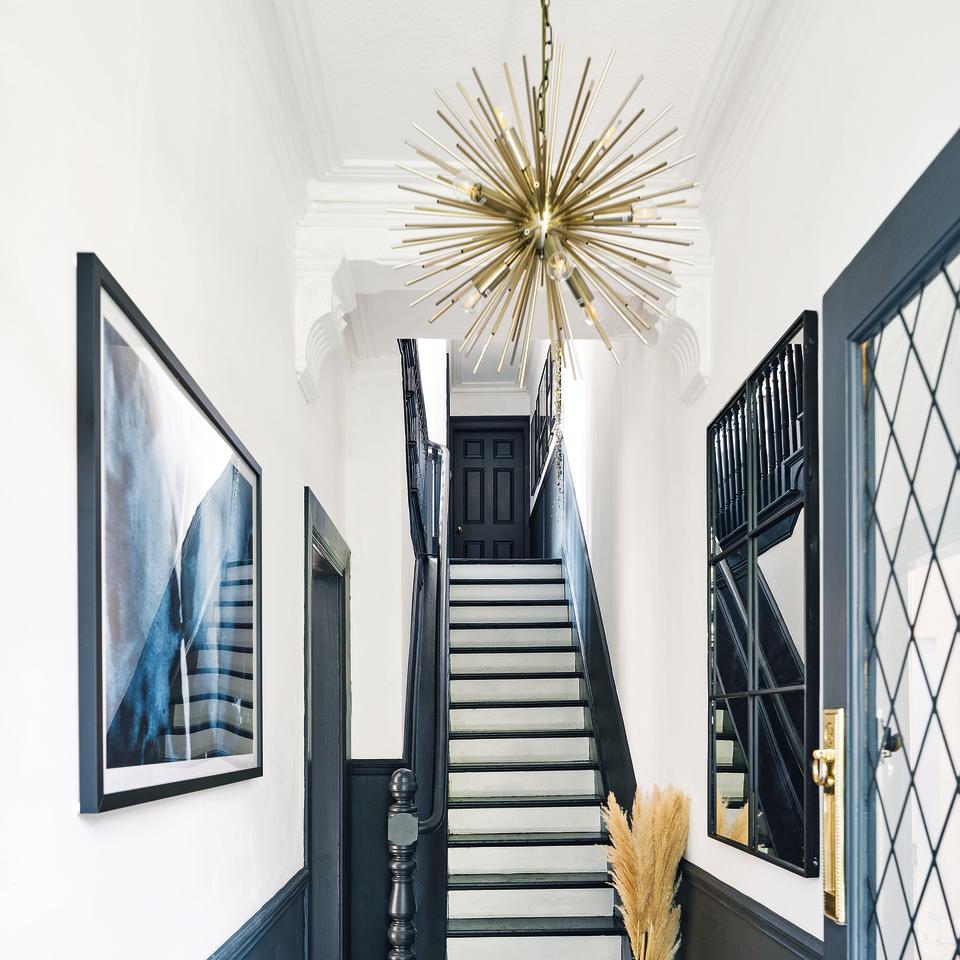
(912, 514)
(913, 705)
(948, 865)
(937, 621)
(892, 782)
(912, 407)
(948, 392)
(892, 637)
(933, 325)
(934, 936)
(892, 491)
(893, 917)
(934, 478)
(935, 782)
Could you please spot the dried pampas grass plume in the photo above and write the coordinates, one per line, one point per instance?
(644, 855)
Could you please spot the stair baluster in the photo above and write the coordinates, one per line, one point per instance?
(403, 829)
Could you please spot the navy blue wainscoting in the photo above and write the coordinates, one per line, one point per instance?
(556, 532)
(369, 872)
(720, 923)
(277, 931)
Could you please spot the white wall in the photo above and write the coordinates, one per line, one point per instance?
(433, 374)
(381, 559)
(131, 128)
(868, 101)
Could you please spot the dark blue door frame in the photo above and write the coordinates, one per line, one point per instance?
(326, 733)
(907, 250)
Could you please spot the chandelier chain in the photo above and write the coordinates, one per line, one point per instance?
(546, 56)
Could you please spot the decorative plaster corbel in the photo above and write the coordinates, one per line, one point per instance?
(324, 298)
(686, 333)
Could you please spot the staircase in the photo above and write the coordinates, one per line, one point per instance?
(213, 707)
(526, 858)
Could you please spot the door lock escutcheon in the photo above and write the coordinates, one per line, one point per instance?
(828, 774)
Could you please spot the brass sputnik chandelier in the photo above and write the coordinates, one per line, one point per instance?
(521, 215)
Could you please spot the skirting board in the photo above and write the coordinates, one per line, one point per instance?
(720, 923)
(276, 930)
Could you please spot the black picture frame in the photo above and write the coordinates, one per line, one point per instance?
(93, 279)
(806, 329)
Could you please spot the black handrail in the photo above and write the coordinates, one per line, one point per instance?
(542, 423)
(428, 488)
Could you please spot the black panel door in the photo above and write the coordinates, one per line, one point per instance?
(489, 488)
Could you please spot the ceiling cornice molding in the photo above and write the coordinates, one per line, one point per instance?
(303, 59)
(757, 52)
(264, 55)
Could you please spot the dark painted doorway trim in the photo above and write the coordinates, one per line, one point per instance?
(454, 424)
(326, 735)
(903, 253)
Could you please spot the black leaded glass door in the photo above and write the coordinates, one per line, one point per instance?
(892, 573)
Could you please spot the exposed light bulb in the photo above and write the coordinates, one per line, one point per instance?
(469, 188)
(471, 300)
(607, 138)
(558, 263)
(483, 283)
(644, 214)
(584, 296)
(617, 216)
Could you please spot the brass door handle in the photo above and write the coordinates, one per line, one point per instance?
(822, 770)
(828, 773)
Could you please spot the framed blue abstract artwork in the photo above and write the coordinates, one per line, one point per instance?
(169, 567)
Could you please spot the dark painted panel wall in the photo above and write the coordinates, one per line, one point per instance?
(276, 931)
(720, 923)
(557, 532)
(369, 876)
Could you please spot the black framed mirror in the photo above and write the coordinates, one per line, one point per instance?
(764, 607)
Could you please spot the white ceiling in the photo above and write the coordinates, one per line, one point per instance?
(372, 68)
(341, 82)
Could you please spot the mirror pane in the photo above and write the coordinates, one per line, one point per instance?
(729, 613)
(780, 775)
(781, 603)
(731, 750)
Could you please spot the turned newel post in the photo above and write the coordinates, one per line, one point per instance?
(403, 827)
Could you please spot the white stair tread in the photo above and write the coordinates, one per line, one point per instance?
(511, 718)
(521, 748)
(509, 612)
(515, 590)
(520, 783)
(534, 948)
(544, 661)
(527, 859)
(510, 636)
(525, 820)
(507, 688)
(565, 902)
(505, 571)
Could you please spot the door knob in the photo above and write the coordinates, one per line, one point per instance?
(459, 528)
